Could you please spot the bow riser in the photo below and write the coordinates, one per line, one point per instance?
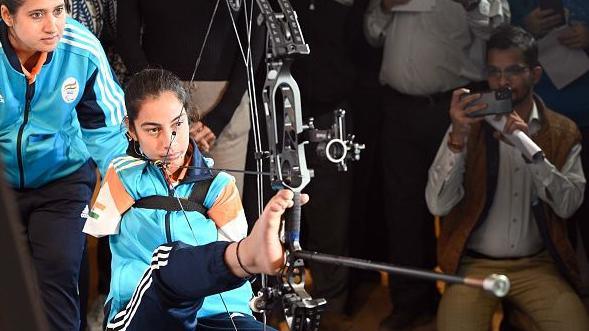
(282, 105)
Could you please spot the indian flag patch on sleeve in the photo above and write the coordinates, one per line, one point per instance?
(112, 201)
(228, 215)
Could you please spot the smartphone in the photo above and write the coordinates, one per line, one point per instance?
(498, 102)
(556, 6)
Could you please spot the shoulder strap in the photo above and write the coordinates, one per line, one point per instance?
(195, 201)
(163, 202)
(200, 190)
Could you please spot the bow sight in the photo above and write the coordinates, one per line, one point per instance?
(334, 144)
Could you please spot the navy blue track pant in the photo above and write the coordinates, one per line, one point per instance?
(53, 222)
(173, 288)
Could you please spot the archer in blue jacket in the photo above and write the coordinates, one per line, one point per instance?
(170, 220)
(61, 111)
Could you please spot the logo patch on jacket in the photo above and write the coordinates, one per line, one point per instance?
(1, 99)
(70, 90)
(84, 213)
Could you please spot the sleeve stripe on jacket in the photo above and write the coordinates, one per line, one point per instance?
(113, 100)
(108, 101)
(90, 39)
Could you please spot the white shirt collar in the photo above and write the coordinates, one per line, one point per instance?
(534, 120)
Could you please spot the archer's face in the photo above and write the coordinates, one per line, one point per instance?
(36, 26)
(153, 128)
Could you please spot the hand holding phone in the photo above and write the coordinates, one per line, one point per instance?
(548, 15)
(497, 101)
(460, 107)
(556, 6)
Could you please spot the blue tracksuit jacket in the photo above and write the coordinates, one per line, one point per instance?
(72, 112)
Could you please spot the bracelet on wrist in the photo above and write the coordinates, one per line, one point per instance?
(239, 260)
(454, 146)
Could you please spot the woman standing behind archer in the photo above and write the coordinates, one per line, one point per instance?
(59, 104)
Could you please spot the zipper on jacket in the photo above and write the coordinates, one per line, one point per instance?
(168, 226)
(29, 96)
(168, 230)
(170, 194)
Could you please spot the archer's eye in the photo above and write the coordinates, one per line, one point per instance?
(58, 11)
(153, 131)
(36, 15)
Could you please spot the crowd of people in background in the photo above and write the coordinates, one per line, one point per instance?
(407, 75)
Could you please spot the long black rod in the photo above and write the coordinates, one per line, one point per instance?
(375, 266)
(497, 284)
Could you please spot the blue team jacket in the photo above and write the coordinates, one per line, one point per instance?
(72, 112)
(141, 231)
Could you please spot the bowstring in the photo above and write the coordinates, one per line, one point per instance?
(196, 66)
(248, 62)
(202, 47)
(255, 121)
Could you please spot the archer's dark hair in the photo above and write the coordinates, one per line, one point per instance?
(509, 36)
(12, 5)
(151, 83)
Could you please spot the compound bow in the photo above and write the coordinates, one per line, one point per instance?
(287, 136)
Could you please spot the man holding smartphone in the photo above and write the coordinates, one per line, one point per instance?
(505, 214)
